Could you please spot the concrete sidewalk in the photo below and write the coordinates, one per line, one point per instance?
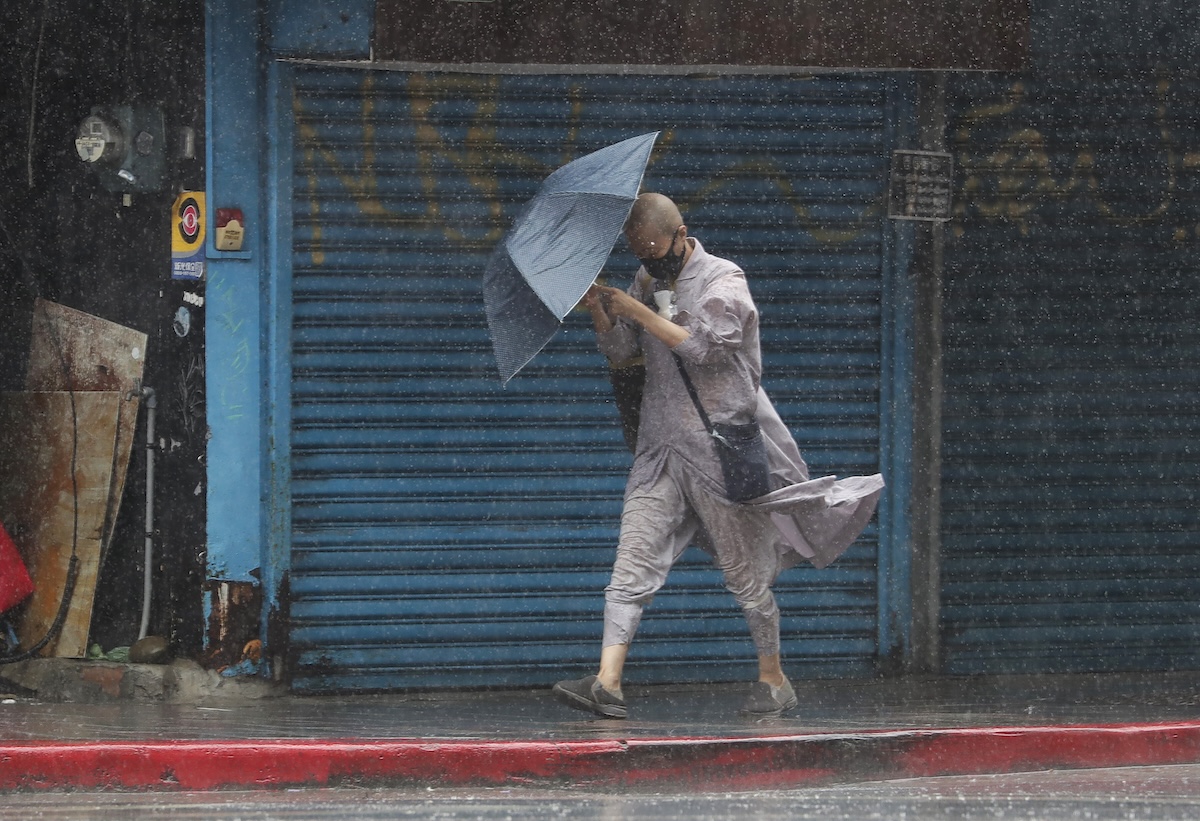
(245, 734)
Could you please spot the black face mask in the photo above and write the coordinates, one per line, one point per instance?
(668, 265)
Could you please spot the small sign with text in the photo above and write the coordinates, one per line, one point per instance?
(919, 188)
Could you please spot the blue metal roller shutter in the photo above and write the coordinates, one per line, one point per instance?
(1071, 434)
(447, 532)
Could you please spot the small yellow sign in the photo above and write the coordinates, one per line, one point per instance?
(187, 236)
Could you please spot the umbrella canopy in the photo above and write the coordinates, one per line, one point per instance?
(556, 248)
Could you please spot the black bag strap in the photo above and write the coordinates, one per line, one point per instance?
(691, 389)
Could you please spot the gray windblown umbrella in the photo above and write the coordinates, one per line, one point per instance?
(556, 248)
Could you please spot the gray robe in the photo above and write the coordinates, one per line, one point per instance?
(816, 519)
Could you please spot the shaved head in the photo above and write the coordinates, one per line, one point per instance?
(653, 229)
(653, 214)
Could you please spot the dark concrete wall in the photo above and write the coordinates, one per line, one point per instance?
(1110, 36)
(67, 239)
(986, 34)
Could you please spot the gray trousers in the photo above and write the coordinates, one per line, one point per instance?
(657, 524)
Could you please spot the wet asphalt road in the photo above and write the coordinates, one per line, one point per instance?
(1141, 793)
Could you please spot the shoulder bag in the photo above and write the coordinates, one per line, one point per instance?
(740, 449)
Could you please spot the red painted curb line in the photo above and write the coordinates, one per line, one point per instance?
(703, 763)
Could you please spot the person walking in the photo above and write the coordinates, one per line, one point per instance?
(703, 329)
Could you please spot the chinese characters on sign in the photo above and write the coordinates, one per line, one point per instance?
(187, 236)
(920, 186)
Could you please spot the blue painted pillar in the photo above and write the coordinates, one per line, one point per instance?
(247, 552)
(233, 310)
(234, 334)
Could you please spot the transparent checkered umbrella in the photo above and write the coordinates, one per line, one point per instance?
(556, 248)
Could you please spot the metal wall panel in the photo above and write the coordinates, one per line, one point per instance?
(1071, 432)
(447, 532)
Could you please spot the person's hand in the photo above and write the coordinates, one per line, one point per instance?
(613, 302)
(596, 301)
(593, 300)
(616, 302)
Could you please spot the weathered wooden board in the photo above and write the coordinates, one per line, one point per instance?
(72, 350)
(38, 444)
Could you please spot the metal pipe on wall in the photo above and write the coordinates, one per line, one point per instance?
(148, 577)
(929, 243)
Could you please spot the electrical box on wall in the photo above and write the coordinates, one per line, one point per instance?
(125, 146)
